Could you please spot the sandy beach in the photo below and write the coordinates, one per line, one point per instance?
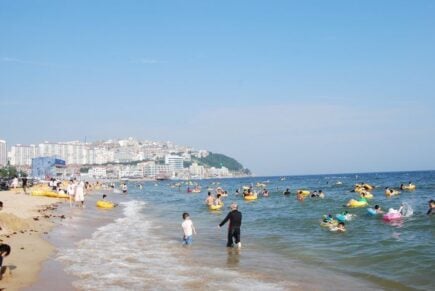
(25, 220)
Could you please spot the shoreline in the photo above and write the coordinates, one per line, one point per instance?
(26, 221)
(79, 224)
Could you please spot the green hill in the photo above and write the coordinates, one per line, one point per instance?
(220, 160)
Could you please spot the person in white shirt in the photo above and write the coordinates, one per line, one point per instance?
(188, 229)
(71, 190)
(14, 183)
(80, 194)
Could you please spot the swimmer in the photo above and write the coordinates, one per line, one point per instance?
(378, 209)
(209, 200)
(431, 207)
(287, 191)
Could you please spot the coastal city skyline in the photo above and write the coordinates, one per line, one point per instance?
(118, 159)
(291, 88)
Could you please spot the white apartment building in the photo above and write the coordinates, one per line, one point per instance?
(197, 171)
(103, 156)
(218, 172)
(74, 153)
(124, 154)
(3, 153)
(97, 172)
(151, 169)
(22, 155)
(186, 157)
(175, 162)
(130, 172)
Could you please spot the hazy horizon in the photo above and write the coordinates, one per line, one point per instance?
(286, 88)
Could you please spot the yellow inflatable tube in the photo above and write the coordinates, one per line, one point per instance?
(303, 192)
(215, 207)
(250, 197)
(368, 195)
(51, 194)
(356, 203)
(105, 204)
(409, 187)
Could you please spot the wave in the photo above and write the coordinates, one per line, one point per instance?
(128, 254)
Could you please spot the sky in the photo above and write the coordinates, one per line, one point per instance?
(285, 87)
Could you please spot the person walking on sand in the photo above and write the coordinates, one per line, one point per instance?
(14, 184)
(24, 180)
(235, 218)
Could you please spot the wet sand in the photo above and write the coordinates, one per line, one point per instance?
(25, 221)
(78, 224)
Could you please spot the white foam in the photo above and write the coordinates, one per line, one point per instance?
(127, 255)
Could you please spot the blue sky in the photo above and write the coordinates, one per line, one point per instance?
(286, 87)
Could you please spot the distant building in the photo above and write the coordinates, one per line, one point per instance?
(175, 162)
(97, 172)
(74, 152)
(3, 153)
(48, 167)
(197, 171)
(22, 155)
(131, 172)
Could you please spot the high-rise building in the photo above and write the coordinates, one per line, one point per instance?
(174, 162)
(3, 153)
(74, 153)
(22, 155)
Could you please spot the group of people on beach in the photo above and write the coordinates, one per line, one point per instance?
(76, 191)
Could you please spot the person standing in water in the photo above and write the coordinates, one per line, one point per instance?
(188, 229)
(80, 194)
(235, 218)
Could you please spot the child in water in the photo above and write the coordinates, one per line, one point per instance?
(378, 209)
(218, 200)
(339, 228)
(188, 229)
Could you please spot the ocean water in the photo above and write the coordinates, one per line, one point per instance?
(283, 245)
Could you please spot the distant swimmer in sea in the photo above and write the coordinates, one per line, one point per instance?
(287, 191)
(321, 194)
(265, 193)
(124, 188)
(339, 228)
(209, 200)
(218, 200)
(378, 209)
(431, 207)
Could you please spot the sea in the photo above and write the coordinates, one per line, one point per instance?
(138, 245)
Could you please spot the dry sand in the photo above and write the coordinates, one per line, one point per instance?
(24, 221)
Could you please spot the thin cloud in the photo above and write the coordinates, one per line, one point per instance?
(25, 62)
(30, 63)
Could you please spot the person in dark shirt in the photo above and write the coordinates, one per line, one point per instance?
(24, 180)
(5, 250)
(235, 218)
(431, 207)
